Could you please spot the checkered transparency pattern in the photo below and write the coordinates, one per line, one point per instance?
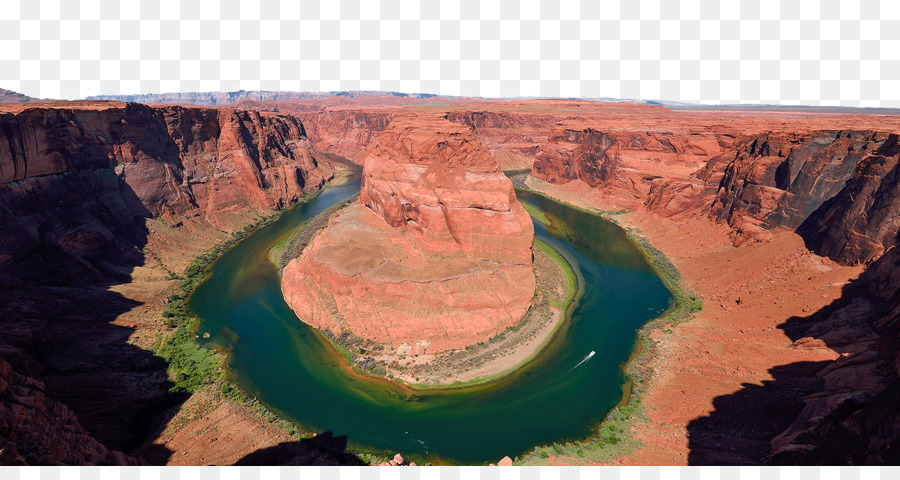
(828, 52)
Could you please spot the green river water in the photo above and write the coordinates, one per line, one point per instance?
(294, 370)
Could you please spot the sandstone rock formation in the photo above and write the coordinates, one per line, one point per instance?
(837, 189)
(83, 186)
(511, 138)
(855, 417)
(346, 132)
(436, 255)
(587, 155)
(35, 430)
(174, 158)
(129, 162)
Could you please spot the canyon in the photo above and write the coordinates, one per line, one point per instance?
(785, 223)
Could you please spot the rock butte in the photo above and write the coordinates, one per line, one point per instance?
(436, 255)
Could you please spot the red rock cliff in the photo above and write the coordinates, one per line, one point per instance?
(79, 182)
(837, 189)
(583, 154)
(348, 133)
(624, 163)
(436, 255)
(174, 158)
(35, 430)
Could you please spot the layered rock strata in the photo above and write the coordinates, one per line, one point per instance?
(436, 255)
(87, 188)
(837, 189)
(124, 163)
(348, 133)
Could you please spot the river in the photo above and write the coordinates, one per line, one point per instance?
(294, 370)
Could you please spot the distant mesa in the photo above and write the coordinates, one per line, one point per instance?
(436, 255)
(8, 96)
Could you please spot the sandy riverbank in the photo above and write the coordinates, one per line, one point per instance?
(732, 344)
(509, 350)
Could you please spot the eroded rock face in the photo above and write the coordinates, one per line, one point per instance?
(625, 163)
(80, 182)
(435, 178)
(436, 255)
(174, 158)
(861, 221)
(512, 139)
(855, 418)
(348, 133)
(838, 189)
(587, 155)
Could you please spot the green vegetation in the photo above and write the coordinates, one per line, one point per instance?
(277, 251)
(613, 438)
(571, 279)
(536, 214)
(190, 365)
(685, 302)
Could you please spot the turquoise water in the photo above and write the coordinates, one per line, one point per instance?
(294, 370)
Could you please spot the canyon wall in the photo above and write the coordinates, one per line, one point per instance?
(512, 139)
(78, 182)
(36, 430)
(837, 189)
(348, 133)
(86, 188)
(436, 255)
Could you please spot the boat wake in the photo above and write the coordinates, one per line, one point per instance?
(586, 358)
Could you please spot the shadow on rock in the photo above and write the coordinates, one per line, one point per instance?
(842, 412)
(324, 449)
(740, 428)
(64, 247)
